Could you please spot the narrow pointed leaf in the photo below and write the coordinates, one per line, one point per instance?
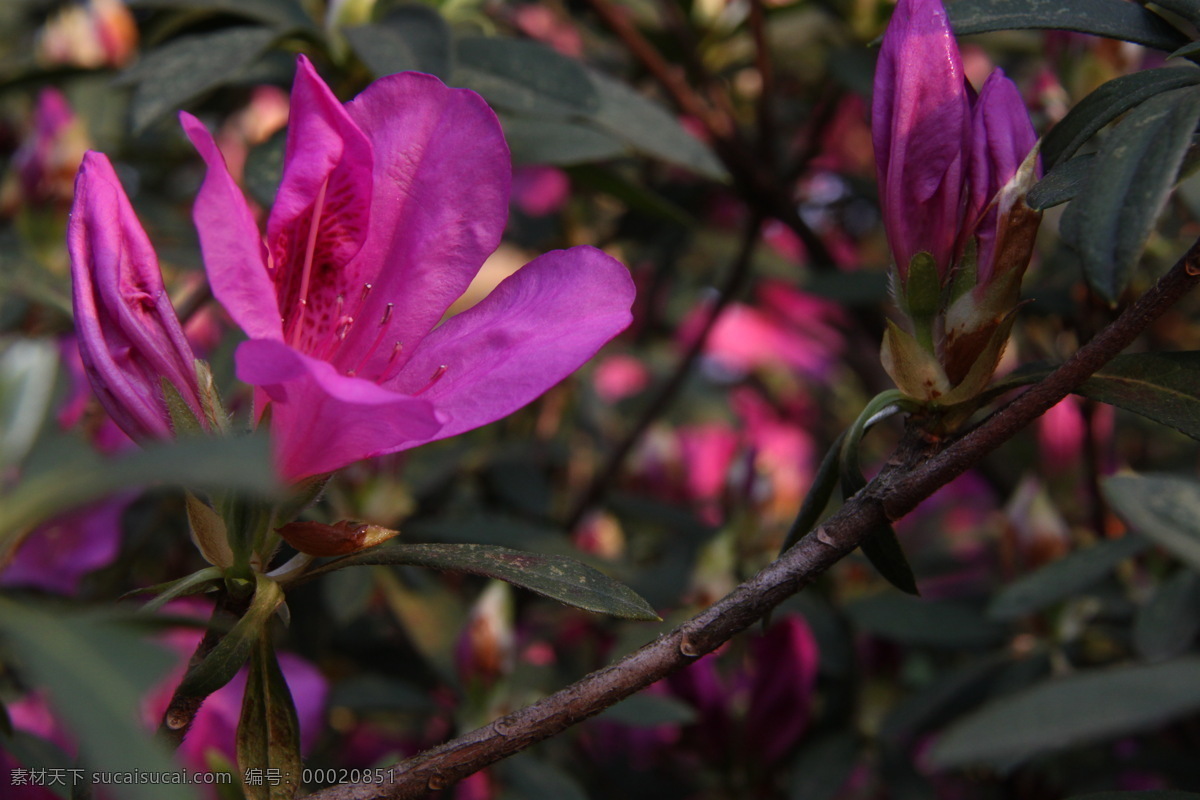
(195, 583)
(1061, 184)
(1086, 707)
(1163, 508)
(410, 37)
(1063, 578)
(220, 665)
(95, 671)
(1109, 223)
(1164, 387)
(171, 76)
(1188, 9)
(268, 736)
(559, 578)
(524, 76)
(1166, 625)
(1115, 19)
(1108, 102)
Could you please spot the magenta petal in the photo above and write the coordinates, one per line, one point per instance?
(233, 250)
(326, 183)
(536, 328)
(129, 337)
(921, 127)
(440, 203)
(322, 420)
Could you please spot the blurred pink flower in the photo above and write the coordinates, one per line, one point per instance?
(549, 26)
(619, 376)
(49, 155)
(92, 34)
(56, 555)
(539, 190)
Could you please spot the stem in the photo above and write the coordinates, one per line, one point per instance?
(734, 282)
(916, 471)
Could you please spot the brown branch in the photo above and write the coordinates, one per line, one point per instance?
(739, 272)
(909, 478)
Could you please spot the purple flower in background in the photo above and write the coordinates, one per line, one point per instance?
(55, 556)
(388, 206)
(129, 337)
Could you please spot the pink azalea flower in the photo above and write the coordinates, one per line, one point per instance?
(388, 206)
(539, 190)
(129, 337)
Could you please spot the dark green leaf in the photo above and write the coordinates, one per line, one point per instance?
(34, 752)
(346, 595)
(1152, 794)
(412, 37)
(1164, 387)
(96, 672)
(1086, 707)
(1163, 508)
(231, 652)
(648, 710)
(882, 549)
(1061, 184)
(524, 76)
(556, 577)
(1060, 579)
(1115, 19)
(561, 142)
(946, 697)
(375, 693)
(1166, 625)
(285, 14)
(75, 475)
(1188, 9)
(195, 583)
(1187, 51)
(171, 76)
(819, 494)
(1110, 221)
(650, 129)
(1108, 102)
(529, 778)
(823, 767)
(911, 620)
(268, 735)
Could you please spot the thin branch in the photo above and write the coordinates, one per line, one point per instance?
(739, 272)
(914, 474)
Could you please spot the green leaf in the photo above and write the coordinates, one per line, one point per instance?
(530, 778)
(411, 37)
(171, 76)
(27, 370)
(231, 652)
(1187, 51)
(1061, 184)
(561, 142)
(1115, 19)
(524, 76)
(882, 548)
(1188, 9)
(1108, 102)
(284, 14)
(268, 735)
(1110, 221)
(648, 710)
(1086, 707)
(1164, 387)
(96, 671)
(195, 583)
(1163, 508)
(650, 129)
(77, 475)
(823, 766)
(946, 697)
(559, 578)
(1167, 623)
(911, 620)
(1063, 578)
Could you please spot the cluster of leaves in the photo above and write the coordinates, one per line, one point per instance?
(1053, 648)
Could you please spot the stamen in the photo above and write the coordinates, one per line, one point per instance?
(387, 315)
(393, 359)
(437, 376)
(309, 251)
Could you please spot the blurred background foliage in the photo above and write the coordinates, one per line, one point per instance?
(1053, 651)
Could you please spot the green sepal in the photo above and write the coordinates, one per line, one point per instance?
(268, 734)
(184, 421)
(914, 369)
(922, 296)
(224, 660)
(209, 533)
(966, 272)
(210, 399)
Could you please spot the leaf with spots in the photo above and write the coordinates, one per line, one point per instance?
(557, 577)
